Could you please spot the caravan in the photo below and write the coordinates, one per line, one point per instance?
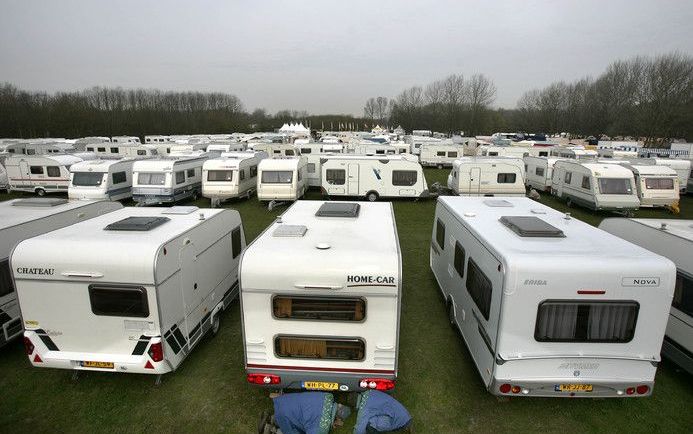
(133, 291)
(276, 150)
(21, 219)
(373, 177)
(657, 186)
(594, 185)
(167, 180)
(574, 153)
(321, 292)
(101, 179)
(539, 171)
(226, 147)
(281, 179)
(234, 174)
(40, 174)
(547, 305)
(672, 239)
(133, 150)
(487, 176)
(437, 155)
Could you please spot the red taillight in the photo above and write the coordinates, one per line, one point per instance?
(28, 346)
(630, 390)
(516, 389)
(642, 389)
(156, 352)
(504, 388)
(264, 379)
(37, 359)
(377, 383)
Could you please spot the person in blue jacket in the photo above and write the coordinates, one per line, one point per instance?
(308, 413)
(379, 412)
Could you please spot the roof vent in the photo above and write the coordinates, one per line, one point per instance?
(139, 224)
(39, 202)
(180, 210)
(526, 226)
(498, 203)
(338, 209)
(290, 231)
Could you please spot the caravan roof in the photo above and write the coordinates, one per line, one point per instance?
(97, 165)
(287, 163)
(18, 211)
(603, 169)
(680, 228)
(166, 163)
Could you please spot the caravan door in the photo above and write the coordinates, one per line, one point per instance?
(474, 180)
(24, 175)
(353, 187)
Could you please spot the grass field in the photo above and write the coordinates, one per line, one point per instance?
(437, 382)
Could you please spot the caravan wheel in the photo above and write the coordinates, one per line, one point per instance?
(569, 203)
(41, 192)
(372, 196)
(215, 325)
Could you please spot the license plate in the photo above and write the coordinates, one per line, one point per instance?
(320, 385)
(102, 365)
(574, 388)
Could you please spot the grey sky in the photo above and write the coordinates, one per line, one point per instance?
(326, 56)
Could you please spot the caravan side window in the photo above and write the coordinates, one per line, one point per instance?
(319, 308)
(180, 177)
(543, 154)
(585, 321)
(6, 286)
(142, 152)
(459, 259)
(404, 177)
(539, 171)
(253, 171)
(568, 177)
(241, 174)
(289, 152)
(586, 182)
(506, 178)
(683, 294)
(53, 171)
(36, 170)
(305, 347)
(114, 300)
(102, 149)
(236, 242)
(31, 151)
(191, 173)
(335, 176)
(119, 177)
(479, 288)
(306, 150)
(440, 154)
(452, 154)
(311, 167)
(440, 234)
(114, 150)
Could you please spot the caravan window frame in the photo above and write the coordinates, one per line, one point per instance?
(457, 262)
(332, 178)
(318, 299)
(656, 183)
(440, 234)
(213, 175)
(539, 171)
(683, 293)
(586, 182)
(142, 313)
(503, 178)
(179, 177)
(50, 171)
(6, 282)
(36, 170)
(236, 242)
(482, 295)
(402, 178)
(332, 339)
(119, 177)
(277, 174)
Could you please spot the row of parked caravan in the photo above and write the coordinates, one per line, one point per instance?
(321, 292)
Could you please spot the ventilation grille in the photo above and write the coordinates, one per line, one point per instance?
(526, 226)
(290, 231)
(39, 202)
(139, 224)
(338, 209)
(180, 210)
(498, 203)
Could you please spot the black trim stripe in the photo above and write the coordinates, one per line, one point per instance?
(141, 345)
(171, 341)
(47, 341)
(179, 336)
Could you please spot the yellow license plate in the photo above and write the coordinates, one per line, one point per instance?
(575, 387)
(320, 385)
(102, 365)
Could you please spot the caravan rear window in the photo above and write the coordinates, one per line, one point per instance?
(151, 178)
(615, 186)
(404, 177)
(113, 300)
(659, 183)
(119, 177)
(319, 308)
(87, 179)
(506, 178)
(304, 347)
(578, 321)
(220, 175)
(277, 177)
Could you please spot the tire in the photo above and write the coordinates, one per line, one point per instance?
(372, 196)
(41, 192)
(440, 166)
(194, 196)
(215, 325)
(451, 314)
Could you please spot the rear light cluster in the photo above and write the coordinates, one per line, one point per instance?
(28, 346)
(377, 383)
(640, 390)
(264, 379)
(156, 352)
(508, 388)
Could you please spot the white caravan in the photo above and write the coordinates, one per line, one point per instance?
(314, 167)
(682, 168)
(123, 150)
(674, 240)
(380, 149)
(167, 180)
(321, 296)
(548, 305)
(25, 218)
(539, 171)
(40, 174)
(227, 147)
(276, 150)
(437, 155)
(234, 174)
(101, 179)
(574, 153)
(133, 291)
(306, 149)
(597, 186)
(126, 139)
(416, 141)
(616, 153)
(281, 179)
(373, 177)
(48, 148)
(487, 176)
(511, 151)
(4, 183)
(657, 186)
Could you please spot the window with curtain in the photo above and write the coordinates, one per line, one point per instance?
(576, 321)
(319, 308)
(479, 287)
(305, 347)
(683, 294)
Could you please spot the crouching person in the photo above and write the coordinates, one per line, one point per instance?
(307, 413)
(379, 412)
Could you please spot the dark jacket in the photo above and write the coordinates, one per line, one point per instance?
(381, 412)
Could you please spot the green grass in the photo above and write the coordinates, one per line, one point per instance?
(437, 382)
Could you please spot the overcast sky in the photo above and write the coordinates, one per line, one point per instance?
(326, 56)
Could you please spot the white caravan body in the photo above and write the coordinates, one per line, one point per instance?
(438, 155)
(234, 174)
(276, 150)
(4, 183)
(574, 154)
(380, 149)
(306, 149)
(132, 291)
(48, 148)
(40, 174)
(125, 139)
(597, 186)
(227, 147)
(657, 186)
(682, 168)
(153, 139)
(616, 153)
(281, 178)
(674, 240)
(25, 218)
(167, 180)
(511, 151)
(539, 171)
(133, 150)
(373, 177)
(101, 179)
(321, 295)
(314, 166)
(547, 305)
(487, 176)
(416, 141)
